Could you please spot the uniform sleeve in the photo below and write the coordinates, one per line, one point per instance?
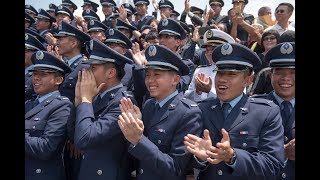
(174, 162)
(54, 135)
(269, 158)
(90, 131)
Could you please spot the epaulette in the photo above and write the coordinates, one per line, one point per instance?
(260, 101)
(128, 94)
(189, 103)
(259, 96)
(207, 100)
(203, 65)
(63, 98)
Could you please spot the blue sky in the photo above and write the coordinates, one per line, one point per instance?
(251, 8)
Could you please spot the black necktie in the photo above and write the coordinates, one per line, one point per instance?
(285, 112)
(96, 102)
(225, 109)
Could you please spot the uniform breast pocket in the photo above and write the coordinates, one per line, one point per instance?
(247, 142)
(160, 138)
(37, 127)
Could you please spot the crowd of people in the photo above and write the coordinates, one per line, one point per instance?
(140, 96)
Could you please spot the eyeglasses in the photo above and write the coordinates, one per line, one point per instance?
(280, 11)
(269, 38)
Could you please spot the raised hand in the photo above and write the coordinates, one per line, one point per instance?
(223, 151)
(138, 57)
(290, 150)
(126, 106)
(197, 145)
(203, 83)
(131, 127)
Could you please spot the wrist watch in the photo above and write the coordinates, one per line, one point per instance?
(233, 158)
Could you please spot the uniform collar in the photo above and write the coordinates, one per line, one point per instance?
(280, 100)
(108, 90)
(44, 97)
(73, 59)
(161, 103)
(234, 101)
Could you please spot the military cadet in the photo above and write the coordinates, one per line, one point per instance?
(52, 10)
(70, 5)
(243, 136)
(214, 14)
(30, 10)
(89, 14)
(170, 35)
(119, 42)
(63, 14)
(201, 86)
(97, 29)
(44, 22)
(196, 20)
(87, 4)
(37, 35)
(130, 11)
(28, 20)
(70, 43)
(125, 28)
(282, 64)
(31, 45)
(174, 15)
(97, 133)
(46, 119)
(141, 12)
(166, 8)
(107, 9)
(156, 133)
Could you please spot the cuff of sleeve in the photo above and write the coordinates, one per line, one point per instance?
(190, 14)
(203, 163)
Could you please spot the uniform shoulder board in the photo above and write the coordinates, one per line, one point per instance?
(63, 98)
(127, 94)
(260, 101)
(259, 96)
(207, 100)
(203, 65)
(189, 103)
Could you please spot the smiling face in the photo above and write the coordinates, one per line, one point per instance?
(283, 82)
(230, 85)
(161, 83)
(45, 82)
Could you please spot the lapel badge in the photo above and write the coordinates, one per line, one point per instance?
(112, 95)
(244, 110)
(214, 106)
